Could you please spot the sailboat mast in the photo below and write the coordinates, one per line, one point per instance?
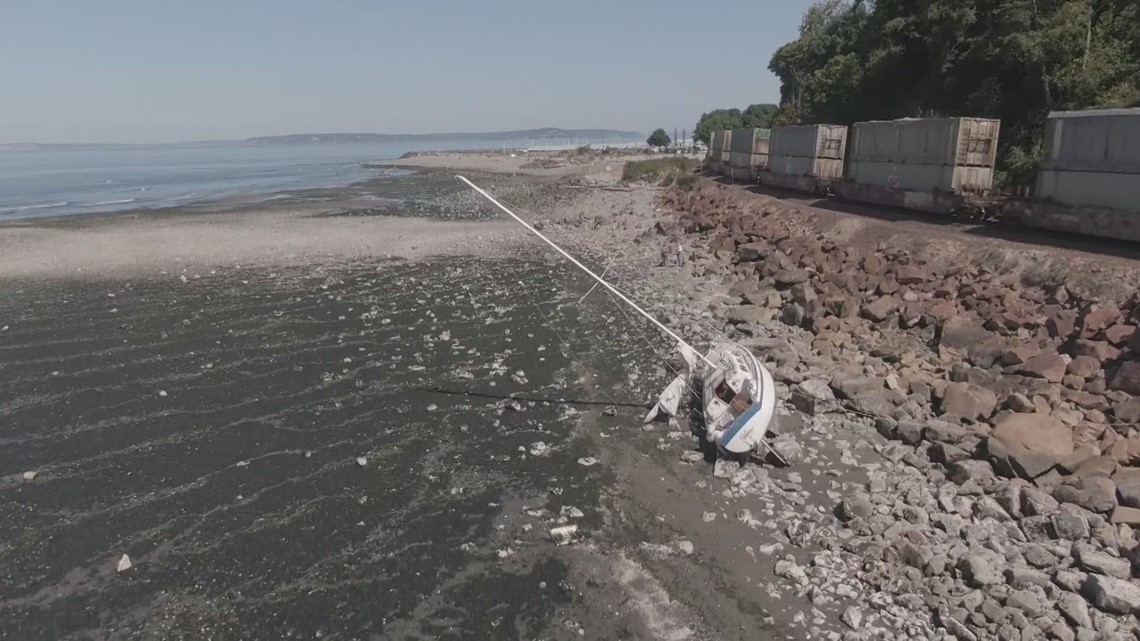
(579, 265)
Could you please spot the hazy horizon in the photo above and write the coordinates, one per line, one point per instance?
(128, 71)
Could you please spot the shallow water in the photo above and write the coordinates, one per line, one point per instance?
(211, 431)
(55, 182)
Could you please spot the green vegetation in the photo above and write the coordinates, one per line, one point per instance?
(659, 170)
(658, 139)
(761, 115)
(1016, 60)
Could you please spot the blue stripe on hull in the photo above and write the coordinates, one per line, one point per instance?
(739, 423)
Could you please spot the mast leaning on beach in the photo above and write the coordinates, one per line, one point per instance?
(591, 274)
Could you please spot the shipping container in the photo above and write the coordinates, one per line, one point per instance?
(810, 141)
(822, 168)
(750, 140)
(920, 177)
(926, 141)
(1106, 140)
(1093, 189)
(740, 159)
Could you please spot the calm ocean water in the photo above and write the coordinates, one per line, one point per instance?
(46, 183)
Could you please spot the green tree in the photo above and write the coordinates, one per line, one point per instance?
(760, 115)
(716, 120)
(1016, 60)
(658, 139)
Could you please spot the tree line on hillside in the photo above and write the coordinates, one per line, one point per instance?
(1015, 60)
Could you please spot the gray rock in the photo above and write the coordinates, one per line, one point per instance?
(987, 507)
(853, 617)
(1023, 578)
(1112, 595)
(1061, 632)
(786, 450)
(1070, 580)
(916, 556)
(1026, 601)
(1039, 557)
(1034, 502)
(981, 472)
(856, 506)
(1095, 494)
(1101, 563)
(813, 396)
(1075, 610)
(981, 568)
(968, 401)
(1069, 526)
(1128, 486)
(909, 432)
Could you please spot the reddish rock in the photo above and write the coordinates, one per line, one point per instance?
(880, 309)
(1127, 378)
(1125, 515)
(1097, 320)
(1084, 367)
(873, 264)
(1119, 334)
(1097, 466)
(1126, 451)
(943, 310)
(956, 336)
(986, 352)
(887, 286)
(968, 401)
(1080, 456)
(1086, 400)
(1020, 354)
(910, 275)
(1128, 411)
(1127, 481)
(1061, 323)
(1101, 350)
(1028, 445)
(1049, 366)
(787, 277)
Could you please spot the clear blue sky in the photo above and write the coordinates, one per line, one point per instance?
(172, 70)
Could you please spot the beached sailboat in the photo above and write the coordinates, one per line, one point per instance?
(736, 391)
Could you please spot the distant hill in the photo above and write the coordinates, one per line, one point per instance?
(530, 136)
(549, 133)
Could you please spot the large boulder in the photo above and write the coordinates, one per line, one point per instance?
(1127, 378)
(1093, 493)
(957, 335)
(1028, 445)
(880, 309)
(1127, 480)
(1118, 596)
(1128, 411)
(751, 252)
(1049, 366)
(968, 401)
(1084, 367)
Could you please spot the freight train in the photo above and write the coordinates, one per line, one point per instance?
(1089, 181)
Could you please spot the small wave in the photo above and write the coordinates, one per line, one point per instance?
(109, 202)
(40, 206)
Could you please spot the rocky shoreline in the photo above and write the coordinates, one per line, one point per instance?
(984, 414)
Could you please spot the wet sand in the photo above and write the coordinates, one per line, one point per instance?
(194, 389)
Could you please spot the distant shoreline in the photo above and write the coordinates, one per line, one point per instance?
(546, 135)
